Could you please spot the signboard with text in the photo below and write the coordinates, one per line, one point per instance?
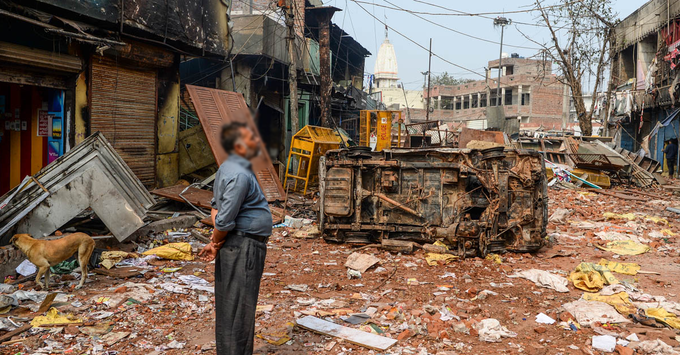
(43, 123)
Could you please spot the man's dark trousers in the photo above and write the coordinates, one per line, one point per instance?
(238, 270)
(671, 167)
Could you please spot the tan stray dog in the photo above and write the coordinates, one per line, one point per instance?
(46, 253)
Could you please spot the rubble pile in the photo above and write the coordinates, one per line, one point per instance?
(605, 282)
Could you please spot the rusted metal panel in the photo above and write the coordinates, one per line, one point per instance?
(218, 107)
(467, 135)
(123, 108)
(338, 192)
(477, 201)
(197, 197)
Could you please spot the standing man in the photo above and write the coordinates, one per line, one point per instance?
(671, 151)
(243, 224)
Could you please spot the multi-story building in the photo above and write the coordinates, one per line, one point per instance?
(645, 77)
(70, 68)
(529, 92)
(259, 69)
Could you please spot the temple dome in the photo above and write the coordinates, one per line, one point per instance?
(386, 70)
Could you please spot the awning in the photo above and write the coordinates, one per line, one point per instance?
(670, 117)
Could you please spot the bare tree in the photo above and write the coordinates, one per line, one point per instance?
(580, 33)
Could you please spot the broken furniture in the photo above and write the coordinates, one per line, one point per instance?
(91, 175)
(480, 201)
(308, 145)
(216, 108)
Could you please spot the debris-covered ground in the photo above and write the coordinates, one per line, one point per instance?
(152, 305)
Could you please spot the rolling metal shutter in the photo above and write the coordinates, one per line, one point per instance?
(218, 107)
(123, 108)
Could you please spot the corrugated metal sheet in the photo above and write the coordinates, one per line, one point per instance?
(91, 175)
(217, 107)
(123, 108)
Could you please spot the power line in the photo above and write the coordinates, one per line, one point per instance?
(418, 44)
(456, 31)
(449, 14)
(463, 13)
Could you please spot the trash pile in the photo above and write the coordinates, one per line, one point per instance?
(605, 281)
(592, 163)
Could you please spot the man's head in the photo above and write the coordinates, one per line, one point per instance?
(237, 138)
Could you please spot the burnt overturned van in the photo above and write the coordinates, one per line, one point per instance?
(476, 201)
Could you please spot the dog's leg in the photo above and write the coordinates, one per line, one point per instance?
(84, 253)
(41, 271)
(47, 278)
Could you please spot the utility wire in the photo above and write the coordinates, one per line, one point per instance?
(456, 31)
(418, 44)
(448, 14)
(500, 13)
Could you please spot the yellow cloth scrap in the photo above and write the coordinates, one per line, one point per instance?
(669, 232)
(621, 268)
(610, 215)
(620, 301)
(587, 193)
(625, 247)
(495, 258)
(663, 316)
(110, 258)
(172, 251)
(591, 277)
(53, 317)
(433, 259)
(656, 219)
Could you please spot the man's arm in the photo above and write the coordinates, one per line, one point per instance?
(218, 236)
(223, 214)
(231, 198)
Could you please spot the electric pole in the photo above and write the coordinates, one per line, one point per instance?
(500, 21)
(429, 75)
(292, 67)
(408, 109)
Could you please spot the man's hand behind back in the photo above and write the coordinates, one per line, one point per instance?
(209, 252)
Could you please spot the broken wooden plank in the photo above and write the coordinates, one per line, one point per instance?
(119, 273)
(354, 336)
(659, 197)
(198, 235)
(17, 331)
(46, 303)
(623, 197)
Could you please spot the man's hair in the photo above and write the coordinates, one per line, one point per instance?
(231, 133)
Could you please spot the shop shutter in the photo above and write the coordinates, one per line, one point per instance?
(218, 107)
(123, 108)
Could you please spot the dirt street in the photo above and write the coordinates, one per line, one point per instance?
(429, 309)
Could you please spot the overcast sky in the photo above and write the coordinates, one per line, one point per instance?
(467, 52)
